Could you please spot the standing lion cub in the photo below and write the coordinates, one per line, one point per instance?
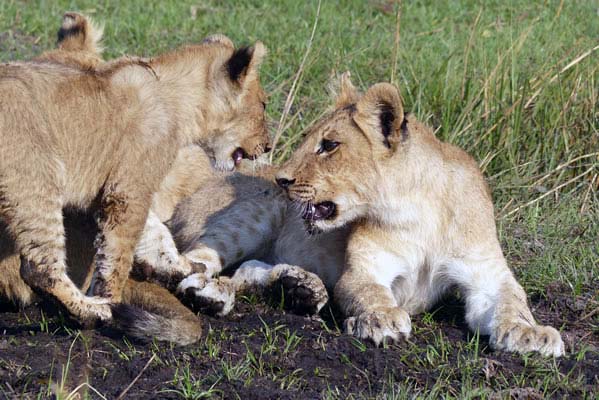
(105, 137)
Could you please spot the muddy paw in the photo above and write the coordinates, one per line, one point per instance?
(92, 310)
(391, 323)
(207, 295)
(524, 338)
(303, 291)
(204, 259)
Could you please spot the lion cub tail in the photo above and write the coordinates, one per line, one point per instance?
(80, 33)
(149, 311)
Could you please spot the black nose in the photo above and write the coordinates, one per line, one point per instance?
(284, 182)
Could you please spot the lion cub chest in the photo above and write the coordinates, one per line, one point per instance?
(403, 261)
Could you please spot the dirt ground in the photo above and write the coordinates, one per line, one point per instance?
(252, 354)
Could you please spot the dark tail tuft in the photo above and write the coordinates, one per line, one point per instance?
(145, 325)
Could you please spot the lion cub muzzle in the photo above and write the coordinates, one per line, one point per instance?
(310, 212)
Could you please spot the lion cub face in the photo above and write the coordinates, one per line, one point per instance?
(236, 116)
(334, 174)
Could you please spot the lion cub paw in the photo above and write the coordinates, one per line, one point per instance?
(386, 323)
(91, 310)
(207, 295)
(523, 338)
(304, 291)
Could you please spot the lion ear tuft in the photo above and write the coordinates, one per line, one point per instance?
(380, 114)
(245, 62)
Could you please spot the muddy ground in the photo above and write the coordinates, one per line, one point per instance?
(254, 354)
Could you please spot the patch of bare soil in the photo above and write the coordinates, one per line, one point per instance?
(34, 352)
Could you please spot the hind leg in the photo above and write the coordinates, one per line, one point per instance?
(496, 306)
(37, 225)
(221, 246)
(303, 291)
(12, 286)
(245, 229)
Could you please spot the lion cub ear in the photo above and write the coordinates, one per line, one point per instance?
(344, 91)
(79, 33)
(243, 65)
(379, 113)
(219, 38)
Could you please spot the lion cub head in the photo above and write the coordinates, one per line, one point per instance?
(335, 172)
(235, 118)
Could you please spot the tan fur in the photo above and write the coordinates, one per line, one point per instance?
(422, 221)
(78, 46)
(245, 216)
(190, 170)
(155, 313)
(140, 143)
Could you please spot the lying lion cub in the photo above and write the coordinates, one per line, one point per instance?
(410, 215)
(423, 222)
(105, 136)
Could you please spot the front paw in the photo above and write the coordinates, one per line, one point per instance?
(90, 311)
(304, 292)
(377, 325)
(523, 338)
(207, 295)
(204, 259)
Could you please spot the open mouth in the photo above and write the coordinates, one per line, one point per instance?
(319, 211)
(239, 154)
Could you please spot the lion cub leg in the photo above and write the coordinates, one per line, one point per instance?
(36, 223)
(123, 212)
(364, 291)
(214, 296)
(244, 229)
(157, 254)
(303, 291)
(496, 305)
(12, 286)
(199, 290)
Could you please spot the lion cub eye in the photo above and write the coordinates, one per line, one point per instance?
(327, 146)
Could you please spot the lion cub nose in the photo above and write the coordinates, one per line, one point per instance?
(284, 182)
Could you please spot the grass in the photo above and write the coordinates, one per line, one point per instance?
(513, 82)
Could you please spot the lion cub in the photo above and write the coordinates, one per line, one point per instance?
(104, 138)
(422, 221)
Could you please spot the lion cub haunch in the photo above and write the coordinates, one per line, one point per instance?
(422, 221)
(105, 137)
